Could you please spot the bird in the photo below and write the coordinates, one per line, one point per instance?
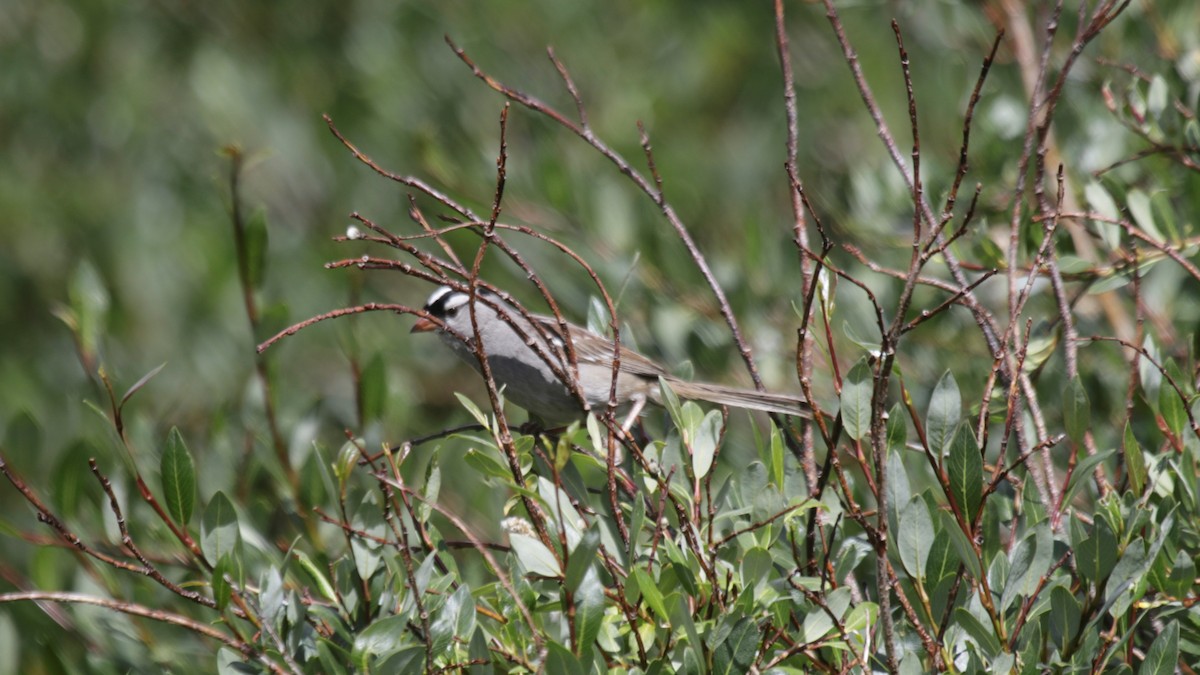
(509, 336)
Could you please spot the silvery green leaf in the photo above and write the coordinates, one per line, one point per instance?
(704, 445)
(534, 556)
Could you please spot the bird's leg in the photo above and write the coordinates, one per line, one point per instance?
(639, 401)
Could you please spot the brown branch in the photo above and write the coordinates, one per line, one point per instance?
(198, 627)
(642, 184)
(369, 307)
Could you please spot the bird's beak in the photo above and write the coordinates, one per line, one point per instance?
(423, 325)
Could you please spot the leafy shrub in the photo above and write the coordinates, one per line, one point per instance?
(999, 475)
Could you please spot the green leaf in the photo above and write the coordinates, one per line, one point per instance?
(431, 489)
(826, 292)
(982, 634)
(943, 561)
(1125, 583)
(692, 415)
(425, 573)
(1183, 477)
(478, 651)
(777, 465)
(897, 429)
(862, 617)
(141, 383)
(966, 552)
(466, 612)
(1077, 414)
(347, 459)
(483, 420)
(583, 556)
(178, 474)
(686, 577)
(856, 400)
(447, 623)
(560, 660)
(681, 616)
(940, 570)
(817, 622)
(1181, 577)
(10, 645)
(735, 654)
(368, 518)
(1135, 461)
(271, 596)
(219, 534)
(406, 661)
(1191, 132)
(533, 554)
(221, 589)
(964, 470)
(898, 489)
(945, 409)
(910, 662)
(915, 536)
(1139, 207)
(1163, 210)
(1163, 655)
(637, 521)
(869, 345)
(486, 464)
(589, 608)
(1103, 204)
(382, 637)
(704, 445)
(1030, 644)
(1083, 472)
(598, 319)
(1111, 281)
(756, 567)
(1028, 561)
(317, 574)
(1175, 373)
(325, 654)
(1171, 407)
(671, 402)
(1135, 99)
(1003, 663)
(597, 438)
(1096, 555)
(559, 503)
(650, 592)
(1156, 96)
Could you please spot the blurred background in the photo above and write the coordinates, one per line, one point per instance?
(115, 198)
(114, 191)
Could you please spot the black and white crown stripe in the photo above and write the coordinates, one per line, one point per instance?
(443, 301)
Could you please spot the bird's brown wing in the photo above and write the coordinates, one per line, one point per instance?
(598, 350)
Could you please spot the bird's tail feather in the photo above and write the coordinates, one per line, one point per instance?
(782, 404)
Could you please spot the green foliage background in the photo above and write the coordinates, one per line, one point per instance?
(114, 203)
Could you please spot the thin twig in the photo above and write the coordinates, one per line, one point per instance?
(198, 627)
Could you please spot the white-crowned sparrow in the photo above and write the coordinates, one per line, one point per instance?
(530, 382)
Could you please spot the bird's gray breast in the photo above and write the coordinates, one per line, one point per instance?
(527, 379)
